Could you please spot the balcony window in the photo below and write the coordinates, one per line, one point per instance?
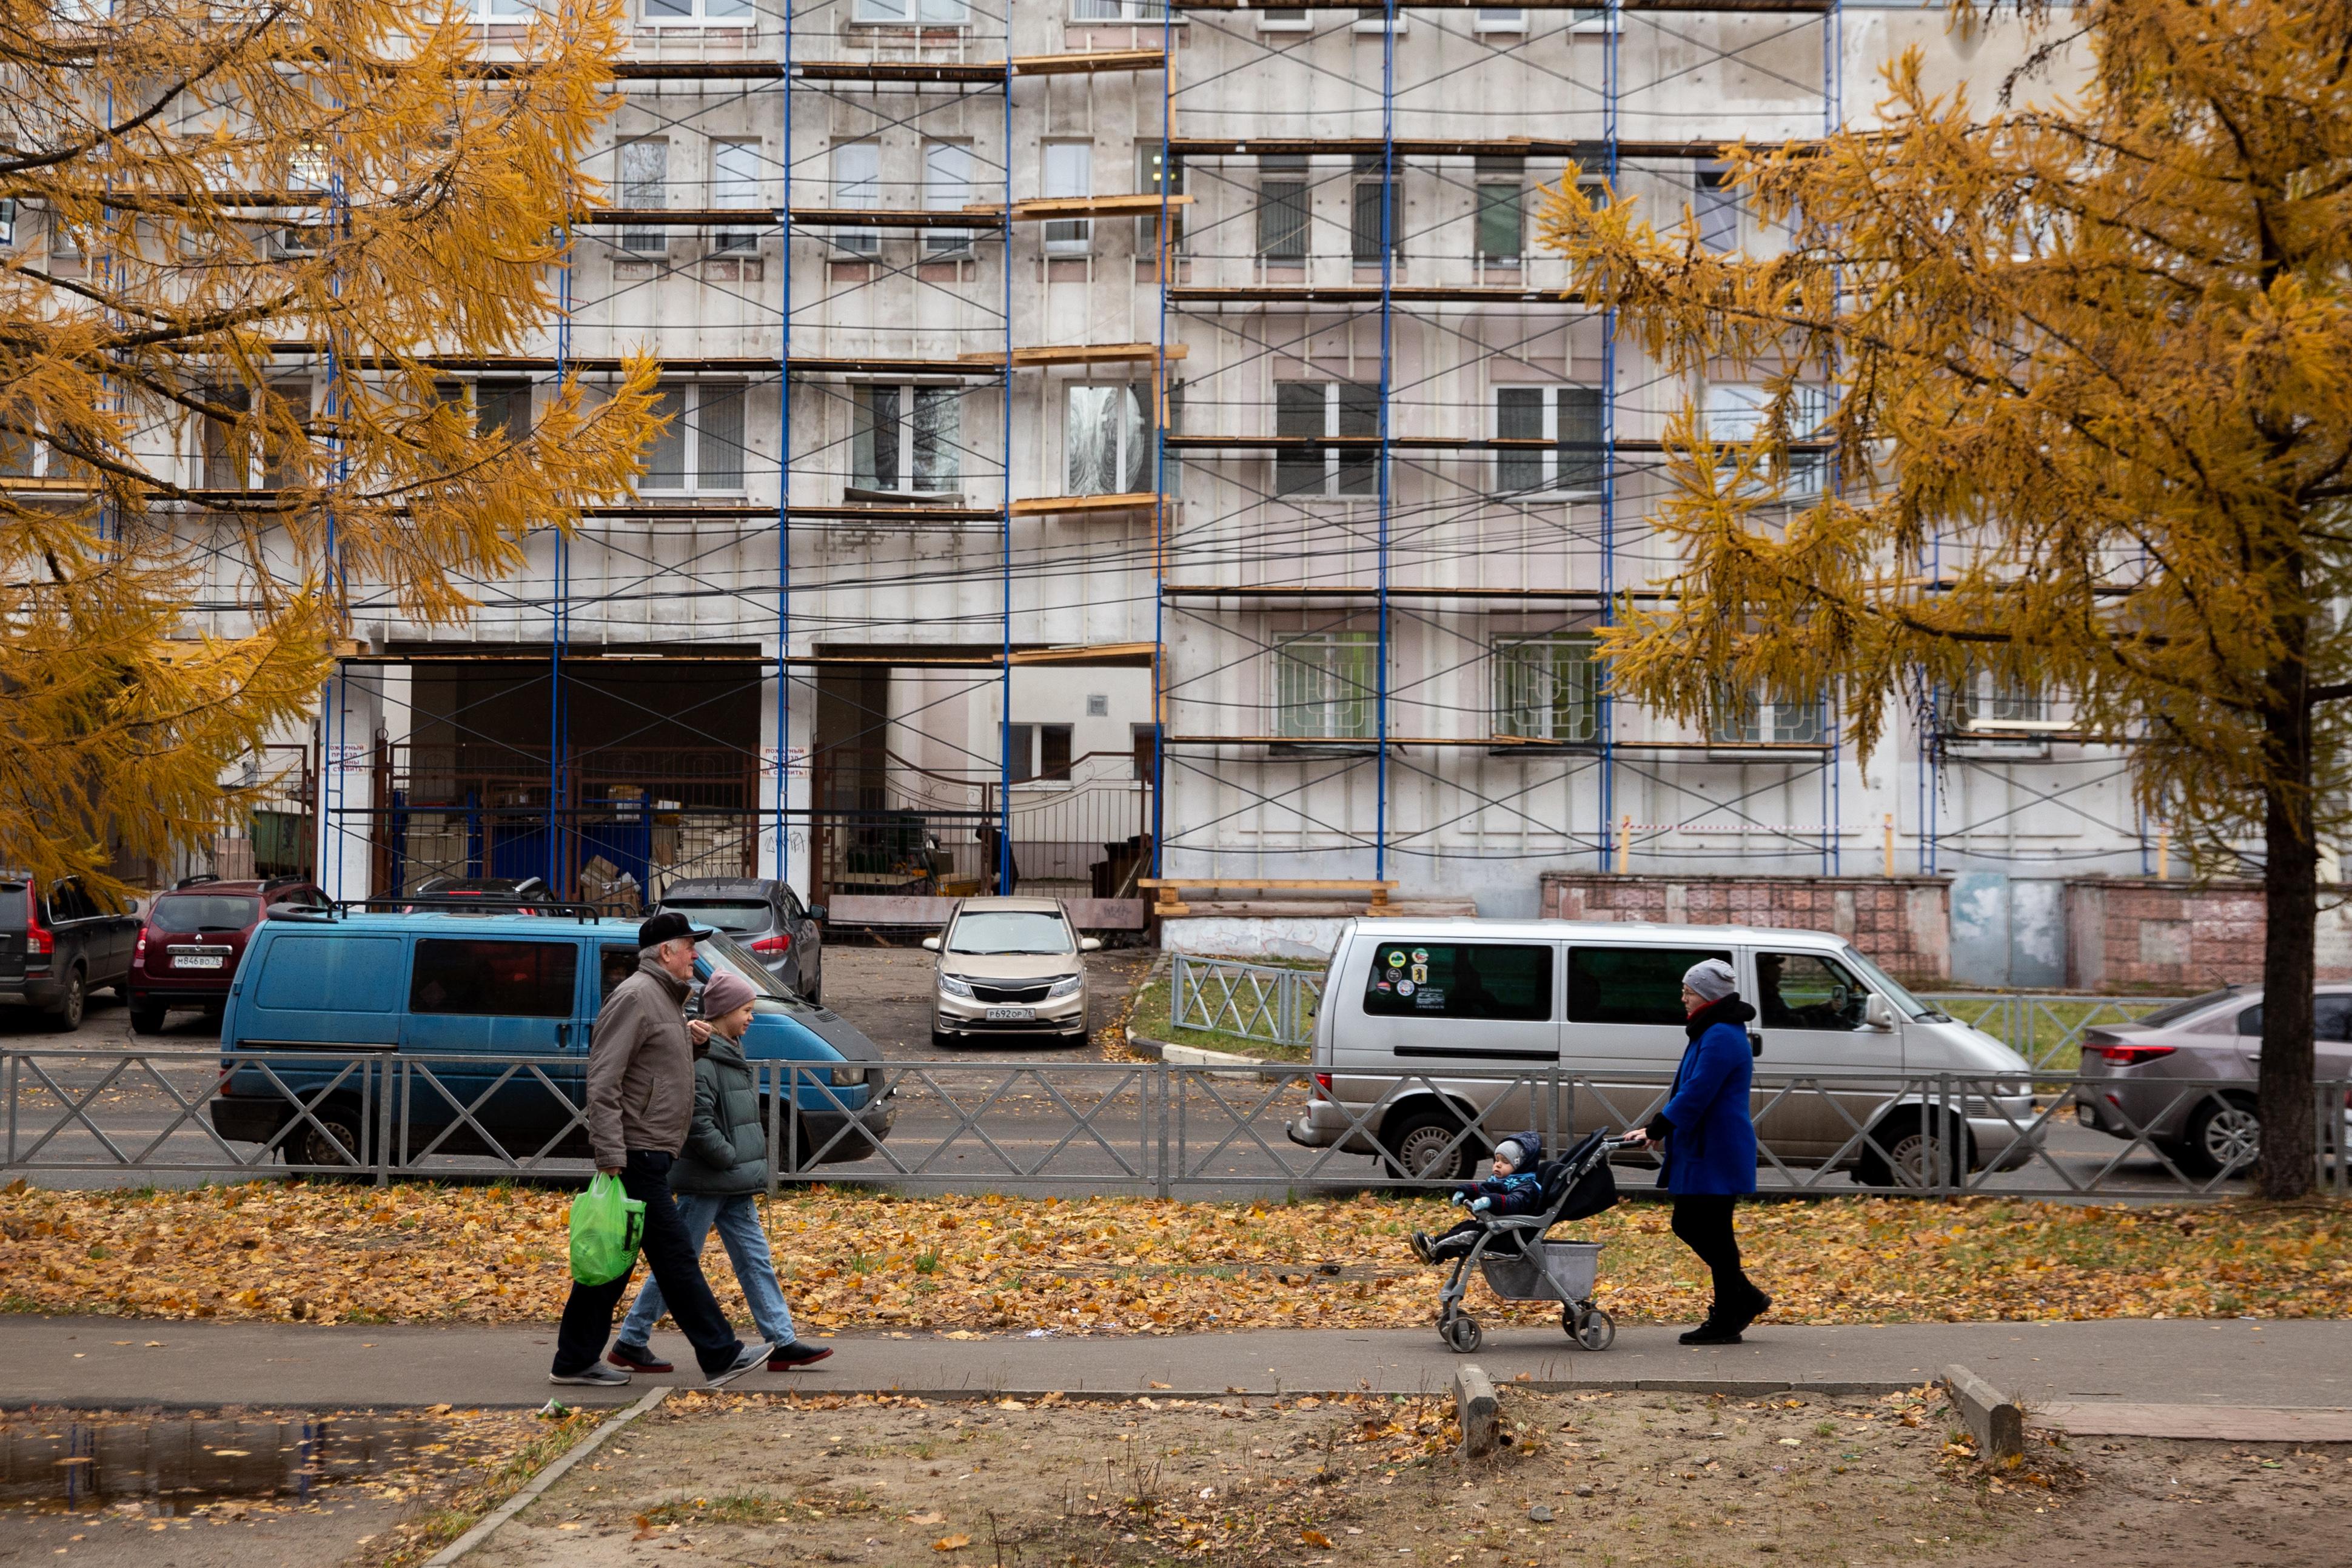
(645, 186)
(1108, 440)
(1322, 408)
(857, 186)
(907, 441)
(947, 187)
(1568, 421)
(701, 448)
(1069, 173)
(1282, 208)
(734, 183)
(1502, 228)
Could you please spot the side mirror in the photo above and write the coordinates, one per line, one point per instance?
(1877, 1014)
(931, 945)
(816, 912)
(1089, 944)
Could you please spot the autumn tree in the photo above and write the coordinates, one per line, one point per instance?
(235, 235)
(2090, 427)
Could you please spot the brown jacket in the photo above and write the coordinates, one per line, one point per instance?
(640, 1068)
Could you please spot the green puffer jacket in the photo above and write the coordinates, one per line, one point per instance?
(727, 1147)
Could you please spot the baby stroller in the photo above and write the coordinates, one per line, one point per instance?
(1521, 1265)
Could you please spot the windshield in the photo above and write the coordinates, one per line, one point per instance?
(725, 955)
(183, 914)
(732, 916)
(1910, 1007)
(997, 931)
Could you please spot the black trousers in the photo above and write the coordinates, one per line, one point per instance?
(1703, 1221)
(669, 1253)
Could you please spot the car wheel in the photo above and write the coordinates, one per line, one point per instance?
(1418, 1147)
(2224, 1135)
(147, 1017)
(65, 1018)
(1911, 1156)
(318, 1145)
(942, 1042)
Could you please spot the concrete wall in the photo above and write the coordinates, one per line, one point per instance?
(1903, 922)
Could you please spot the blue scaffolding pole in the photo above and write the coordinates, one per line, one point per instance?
(560, 617)
(1388, 328)
(783, 754)
(1004, 525)
(1605, 714)
(1165, 263)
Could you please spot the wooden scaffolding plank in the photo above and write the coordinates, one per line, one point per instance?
(1078, 354)
(1144, 204)
(1040, 506)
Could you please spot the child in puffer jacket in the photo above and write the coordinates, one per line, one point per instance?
(1515, 1187)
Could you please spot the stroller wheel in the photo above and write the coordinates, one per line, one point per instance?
(1590, 1327)
(1462, 1334)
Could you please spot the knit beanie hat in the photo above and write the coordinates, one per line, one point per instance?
(725, 992)
(1712, 979)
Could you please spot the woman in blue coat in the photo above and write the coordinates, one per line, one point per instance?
(1707, 1142)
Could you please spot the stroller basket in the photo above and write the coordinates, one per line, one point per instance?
(1544, 1271)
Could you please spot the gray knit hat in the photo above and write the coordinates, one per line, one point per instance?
(1712, 979)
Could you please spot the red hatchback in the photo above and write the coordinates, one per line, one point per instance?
(192, 939)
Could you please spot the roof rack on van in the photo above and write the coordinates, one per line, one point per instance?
(467, 904)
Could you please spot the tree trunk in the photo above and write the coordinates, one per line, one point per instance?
(2291, 912)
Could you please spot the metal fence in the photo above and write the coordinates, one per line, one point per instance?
(112, 1118)
(1276, 1006)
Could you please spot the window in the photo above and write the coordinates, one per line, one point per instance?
(1459, 980)
(1319, 409)
(734, 183)
(645, 186)
(2331, 1018)
(1991, 702)
(947, 187)
(1374, 18)
(1285, 19)
(1282, 205)
(1754, 721)
(906, 439)
(230, 448)
(1147, 180)
(909, 12)
(1070, 171)
(1808, 991)
(1037, 754)
(1500, 19)
(309, 168)
(701, 448)
(614, 964)
(1566, 421)
(1735, 411)
(1631, 984)
(1369, 213)
(1118, 11)
(8, 220)
(517, 10)
(857, 186)
(1501, 227)
(1108, 440)
(1547, 687)
(1324, 686)
(1143, 741)
(484, 978)
(673, 11)
(1717, 205)
(502, 408)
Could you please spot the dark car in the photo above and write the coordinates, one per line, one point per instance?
(194, 937)
(764, 915)
(58, 947)
(487, 895)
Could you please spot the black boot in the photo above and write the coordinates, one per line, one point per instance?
(1714, 1332)
(1754, 1306)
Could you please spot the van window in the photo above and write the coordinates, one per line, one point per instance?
(614, 964)
(330, 973)
(1459, 980)
(1808, 991)
(1631, 984)
(483, 977)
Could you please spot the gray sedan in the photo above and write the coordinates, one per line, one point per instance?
(2183, 1076)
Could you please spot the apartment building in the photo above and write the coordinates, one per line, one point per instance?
(1112, 440)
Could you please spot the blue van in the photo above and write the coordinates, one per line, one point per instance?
(369, 1020)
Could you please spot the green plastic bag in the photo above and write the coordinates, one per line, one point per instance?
(607, 1227)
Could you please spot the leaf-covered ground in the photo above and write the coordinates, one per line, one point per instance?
(856, 1260)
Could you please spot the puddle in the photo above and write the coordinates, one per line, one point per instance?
(193, 1459)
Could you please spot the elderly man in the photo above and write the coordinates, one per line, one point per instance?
(640, 1103)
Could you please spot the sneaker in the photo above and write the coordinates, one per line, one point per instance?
(1712, 1333)
(1421, 1246)
(637, 1358)
(752, 1356)
(785, 1358)
(595, 1374)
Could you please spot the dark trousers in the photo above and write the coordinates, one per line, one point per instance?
(669, 1252)
(1703, 1221)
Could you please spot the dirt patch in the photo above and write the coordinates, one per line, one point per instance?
(1588, 1478)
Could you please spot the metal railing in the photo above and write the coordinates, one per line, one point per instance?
(1257, 1002)
(100, 1117)
(1252, 1002)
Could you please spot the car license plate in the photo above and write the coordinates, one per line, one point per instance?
(196, 961)
(1011, 1014)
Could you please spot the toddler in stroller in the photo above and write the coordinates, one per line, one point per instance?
(1516, 1187)
(1507, 1240)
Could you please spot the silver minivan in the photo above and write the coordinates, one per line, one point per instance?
(1408, 1004)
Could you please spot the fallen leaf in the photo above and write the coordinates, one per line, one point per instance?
(932, 1517)
(644, 1528)
(1157, 1384)
(1315, 1538)
(951, 1543)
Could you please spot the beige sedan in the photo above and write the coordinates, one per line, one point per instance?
(1010, 966)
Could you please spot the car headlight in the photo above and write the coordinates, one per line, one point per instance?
(848, 1077)
(1067, 986)
(956, 985)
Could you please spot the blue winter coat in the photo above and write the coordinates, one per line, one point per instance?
(1710, 1146)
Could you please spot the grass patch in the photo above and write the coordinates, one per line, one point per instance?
(1148, 1018)
(752, 1507)
(2048, 1023)
(421, 1538)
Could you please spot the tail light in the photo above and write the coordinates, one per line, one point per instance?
(139, 954)
(1322, 1083)
(39, 940)
(2130, 1056)
(772, 945)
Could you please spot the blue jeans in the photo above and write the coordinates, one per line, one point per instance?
(738, 1218)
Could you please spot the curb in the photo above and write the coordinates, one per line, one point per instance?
(547, 1478)
(1201, 1057)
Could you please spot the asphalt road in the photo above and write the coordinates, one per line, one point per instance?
(1014, 1115)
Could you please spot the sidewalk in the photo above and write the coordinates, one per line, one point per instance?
(97, 1362)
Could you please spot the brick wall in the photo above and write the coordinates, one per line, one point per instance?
(1903, 922)
(2181, 938)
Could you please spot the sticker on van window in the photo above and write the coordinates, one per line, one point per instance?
(1396, 959)
(1405, 987)
(1380, 984)
(1431, 998)
(1420, 955)
(1419, 973)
